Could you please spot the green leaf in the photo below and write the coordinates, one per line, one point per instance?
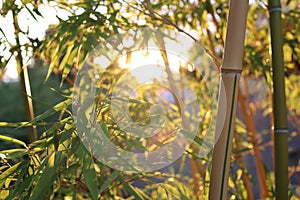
(235, 151)
(133, 191)
(109, 180)
(58, 107)
(12, 140)
(54, 62)
(56, 126)
(130, 100)
(90, 176)
(175, 192)
(38, 171)
(23, 124)
(162, 193)
(64, 136)
(199, 142)
(41, 143)
(70, 171)
(65, 58)
(69, 62)
(15, 168)
(48, 176)
(14, 153)
(89, 172)
(20, 188)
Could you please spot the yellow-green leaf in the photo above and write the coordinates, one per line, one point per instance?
(47, 178)
(15, 168)
(12, 140)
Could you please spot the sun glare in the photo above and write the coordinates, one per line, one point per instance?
(147, 65)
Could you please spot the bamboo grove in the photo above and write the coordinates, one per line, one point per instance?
(254, 47)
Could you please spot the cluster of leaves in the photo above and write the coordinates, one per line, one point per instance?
(59, 166)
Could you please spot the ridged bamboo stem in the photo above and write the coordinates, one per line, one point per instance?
(222, 150)
(230, 74)
(279, 102)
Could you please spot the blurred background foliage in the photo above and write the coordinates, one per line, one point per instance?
(57, 164)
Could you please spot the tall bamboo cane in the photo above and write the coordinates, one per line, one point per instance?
(230, 73)
(279, 102)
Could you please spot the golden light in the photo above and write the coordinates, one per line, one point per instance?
(147, 65)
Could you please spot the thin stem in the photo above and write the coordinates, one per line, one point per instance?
(24, 81)
(211, 11)
(196, 166)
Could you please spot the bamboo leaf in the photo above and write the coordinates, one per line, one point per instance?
(12, 140)
(133, 191)
(191, 137)
(15, 168)
(48, 176)
(4, 166)
(23, 124)
(130, 100)
(90, 175)
(109, 180)
(162, 193)
(20, 188)
(66, 134)
(56, 138)
(53, 63)
(14, 153)
(135, 143)
(58, 107)
(65, 58)
(56, 126)
(39, 171)
(69, 62)
(70, 170)
(88, 169)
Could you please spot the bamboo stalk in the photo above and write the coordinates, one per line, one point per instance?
(279, 102)
(272, 125)
(24, 81)
(230, 74)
